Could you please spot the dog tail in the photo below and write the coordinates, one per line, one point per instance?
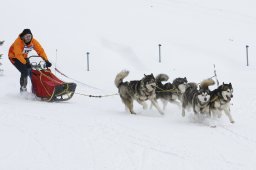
(120, 76)
(162, 77)
(206, 83)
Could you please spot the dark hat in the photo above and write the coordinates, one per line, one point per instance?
(25, 31)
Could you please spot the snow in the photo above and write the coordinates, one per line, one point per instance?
(97, 133)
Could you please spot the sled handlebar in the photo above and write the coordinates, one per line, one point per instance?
(33, 56)
(37, 65)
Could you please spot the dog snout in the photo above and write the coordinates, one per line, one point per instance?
(205, 99)
(231, 96)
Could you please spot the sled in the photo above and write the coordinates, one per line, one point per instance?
(47, 86)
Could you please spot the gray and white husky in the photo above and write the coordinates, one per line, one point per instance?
(220, 101)
(195, 98)
(170, 92)
(139, 90)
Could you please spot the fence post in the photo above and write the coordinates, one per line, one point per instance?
(247, 57)
(56, 59)
(215, 75)
(159, 52)
(1, 43)
(88, 61)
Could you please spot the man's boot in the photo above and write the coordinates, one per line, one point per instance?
(23, 83)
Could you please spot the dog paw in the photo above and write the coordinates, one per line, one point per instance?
(161, 112)
(232, 121)
(213, 126)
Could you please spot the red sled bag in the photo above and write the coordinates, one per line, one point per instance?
(48, 87)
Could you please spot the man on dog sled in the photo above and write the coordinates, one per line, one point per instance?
(18, 53)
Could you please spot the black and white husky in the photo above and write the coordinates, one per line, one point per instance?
(139, 90)
(170, 92)
(197, 99)
(220, 101)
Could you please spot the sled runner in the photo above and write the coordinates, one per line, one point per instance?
(47, 86)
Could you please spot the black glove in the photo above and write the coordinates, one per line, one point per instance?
(48, 64)
(28, 65)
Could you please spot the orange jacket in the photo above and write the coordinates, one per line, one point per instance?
(20, 50)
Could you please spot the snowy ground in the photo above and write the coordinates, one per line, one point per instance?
(92, 133)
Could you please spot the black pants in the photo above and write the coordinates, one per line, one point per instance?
(24, 72)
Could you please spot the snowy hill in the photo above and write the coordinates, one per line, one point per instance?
(97, 133)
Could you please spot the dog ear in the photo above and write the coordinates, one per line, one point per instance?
(152, 74)
(145, 75)
(221, 86)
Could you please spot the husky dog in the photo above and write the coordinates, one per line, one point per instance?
(197, 99)
(220, 101)
(139, 90)
(170, 92)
